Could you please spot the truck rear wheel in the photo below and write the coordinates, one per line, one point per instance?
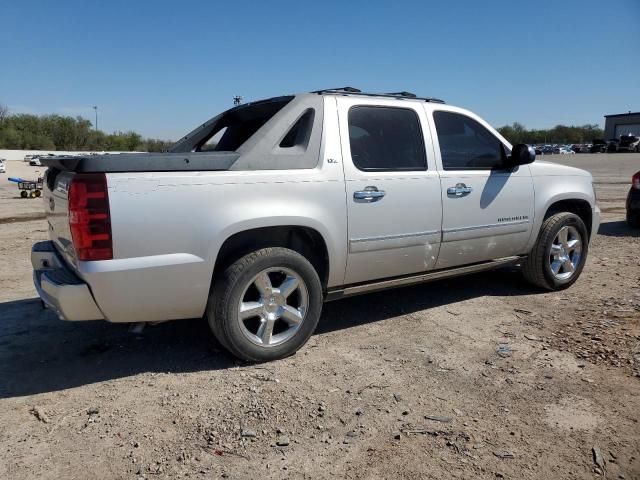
(559, 255)
(266, 305)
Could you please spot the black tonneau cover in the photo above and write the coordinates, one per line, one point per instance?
(144, 162)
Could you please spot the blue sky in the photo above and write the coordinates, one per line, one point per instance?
(161, 67)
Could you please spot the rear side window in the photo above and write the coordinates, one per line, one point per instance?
(386, 138)
(300, 132)
(466, 145)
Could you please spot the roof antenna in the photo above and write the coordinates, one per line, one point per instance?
(237, 100)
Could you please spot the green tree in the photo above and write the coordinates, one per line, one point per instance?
(57, 132)
(155, 145)
(10, 138)
(562, 134)
(4, 112)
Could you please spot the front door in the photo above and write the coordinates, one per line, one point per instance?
(487, 209)
(393, 190)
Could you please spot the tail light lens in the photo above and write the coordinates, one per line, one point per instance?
(635, 181)
(89, 217)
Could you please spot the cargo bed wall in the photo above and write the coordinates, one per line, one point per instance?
(144, 162)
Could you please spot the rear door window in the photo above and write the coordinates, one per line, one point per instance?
(386, 138)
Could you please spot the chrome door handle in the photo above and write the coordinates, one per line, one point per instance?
(460, 190)
(368, 195)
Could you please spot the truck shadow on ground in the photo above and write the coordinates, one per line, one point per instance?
(39, 353)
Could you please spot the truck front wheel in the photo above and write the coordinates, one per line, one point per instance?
(559, 255)
(266, 305)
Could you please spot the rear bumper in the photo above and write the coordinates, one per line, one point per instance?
(59, 288)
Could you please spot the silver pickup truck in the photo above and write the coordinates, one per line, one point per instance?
(264, 212)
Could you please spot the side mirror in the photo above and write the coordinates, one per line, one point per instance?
(521, 155)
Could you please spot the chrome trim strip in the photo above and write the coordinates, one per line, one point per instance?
(489, 225)
(393, 237)
(421, 278)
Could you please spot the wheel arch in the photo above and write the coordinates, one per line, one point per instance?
(577, 206)
(305, 240)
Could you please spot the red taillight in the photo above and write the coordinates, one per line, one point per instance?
(89, 217)
(635, 181)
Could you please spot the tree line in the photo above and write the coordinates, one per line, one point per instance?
(560, 134)
(57, 132)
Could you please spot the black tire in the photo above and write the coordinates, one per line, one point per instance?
(633, 219)
(38, 193)
(230, 285)
(24, 194)
(536, 267)
(32, 194)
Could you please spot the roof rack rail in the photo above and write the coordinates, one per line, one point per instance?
(340, 89)
(399, 95)
(402, 94)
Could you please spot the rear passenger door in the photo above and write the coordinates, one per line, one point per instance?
(487, 208)
(393, 191)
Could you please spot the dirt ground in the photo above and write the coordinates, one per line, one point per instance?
(478, 377)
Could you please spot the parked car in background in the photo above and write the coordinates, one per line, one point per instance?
(633, 202)
(629, 143)
(612, 145)
(550, 149)
(291, 209)
(28, 158)
(36, 161)
(3, 166)
(581, 148)
(598, 146)
(566, 151)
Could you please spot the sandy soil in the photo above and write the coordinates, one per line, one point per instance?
(477, 377)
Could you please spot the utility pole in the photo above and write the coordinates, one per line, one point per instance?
(95, 107)
(237, 100)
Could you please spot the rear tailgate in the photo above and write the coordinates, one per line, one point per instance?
(56, 205)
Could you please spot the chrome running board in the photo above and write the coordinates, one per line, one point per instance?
(420, 278)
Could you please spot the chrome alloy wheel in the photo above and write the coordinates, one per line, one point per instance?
(566, 252)
(272, 307)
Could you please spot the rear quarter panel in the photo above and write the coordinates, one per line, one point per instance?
(168, 228)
